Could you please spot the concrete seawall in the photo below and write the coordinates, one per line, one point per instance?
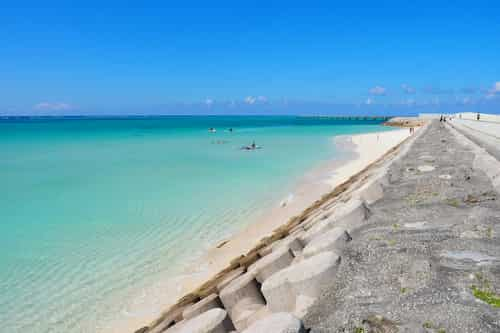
(240, 289)
(428, 258)
(408, 244)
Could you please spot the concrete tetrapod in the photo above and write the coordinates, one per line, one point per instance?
(210, 302)
(295, 288)
(230, 277)
(242, 299)
(270, 264)
(211, 321)
(281, 322)
(293, 243)
(169, 320)
(350, 215)
(372, 191)
(332, 240)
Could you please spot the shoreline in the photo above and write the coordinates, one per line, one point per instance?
(358, 152)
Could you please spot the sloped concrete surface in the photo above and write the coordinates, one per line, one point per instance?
(277, 323)
(428, 253)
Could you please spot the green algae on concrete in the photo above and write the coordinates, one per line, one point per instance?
(486, 296)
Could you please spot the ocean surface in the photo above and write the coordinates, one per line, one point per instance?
(92, 210)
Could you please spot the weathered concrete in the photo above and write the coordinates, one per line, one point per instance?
(230, 277)
(291, 242)
(210, 302)
(242, 299)
(426, 249)
(372, 191)
(277, 323)
(485, 134)
(332, 240)
(350, 216)
(293, 289)
(483, 149)
(212, 321)
(275, 261)
(170, 320)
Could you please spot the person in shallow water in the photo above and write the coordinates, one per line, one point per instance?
(253, 146)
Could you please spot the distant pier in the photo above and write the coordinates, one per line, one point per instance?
(374, 118)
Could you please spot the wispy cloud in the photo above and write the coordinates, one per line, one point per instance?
(209, 102)
(369, 101)
(407, 89)
(378, 91)
(410, 102)
(253, 100)
(466, 101)
(53, 106)
(262, 99)
(250, 100)
(495, 90)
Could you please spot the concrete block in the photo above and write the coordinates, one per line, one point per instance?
(350, 216)
(230, 277)
(212, 321)
(291, 242)
(333, 240)
(277, 323)
(266, 250)
(170, 320)
(242, 298)
(288, 289)
(372, 191)
(275, 261)
(210, 302)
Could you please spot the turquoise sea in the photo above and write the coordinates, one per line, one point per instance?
(94, 209)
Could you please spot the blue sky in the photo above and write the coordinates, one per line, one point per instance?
(249, 57)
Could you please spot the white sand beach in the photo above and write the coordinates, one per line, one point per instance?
(364, 148)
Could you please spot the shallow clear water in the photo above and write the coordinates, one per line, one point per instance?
(93, 209)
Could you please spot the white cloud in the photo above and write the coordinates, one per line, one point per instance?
(209, 102)
(255, 99)
(378, 91)
(495, 90)
(250, 100)
(262, 99)
(410, 102)
(56, 106)
(407, 89)
(369, 101)
(467, 101)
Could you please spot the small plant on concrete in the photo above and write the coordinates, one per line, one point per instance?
(489, 232)
(452, 202)
(427, 324)
(486, 296)
(483, 291)
(359, 330)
